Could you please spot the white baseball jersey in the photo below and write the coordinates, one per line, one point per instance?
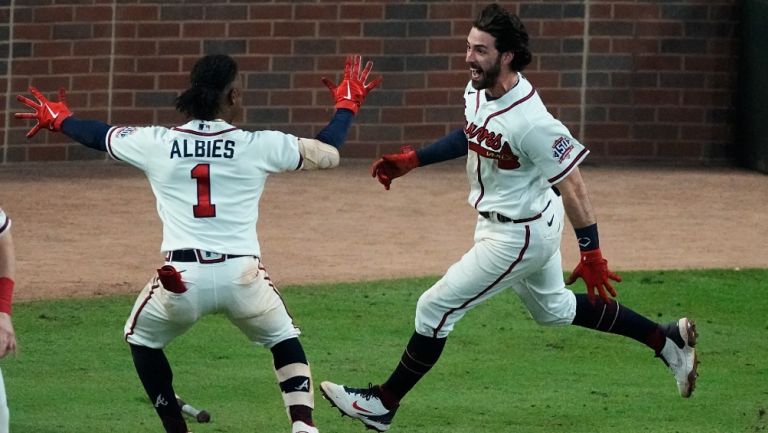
(5, 223)
(207, 177)
(517, 150)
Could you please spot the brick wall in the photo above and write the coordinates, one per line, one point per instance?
(659, 85)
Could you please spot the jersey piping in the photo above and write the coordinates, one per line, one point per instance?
(135, 317)
(109, 144)
(568, 169)
(203, 134)
(492, 285)
(480, 150)
(513, 105)
(480, 181)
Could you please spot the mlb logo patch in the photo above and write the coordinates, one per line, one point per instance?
(126, 131)
(203, 127)
(561, 149)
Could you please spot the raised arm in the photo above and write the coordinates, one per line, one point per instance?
(322, 152)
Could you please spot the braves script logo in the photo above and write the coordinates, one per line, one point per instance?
(561, 149)
(491, 145)
(126, 131)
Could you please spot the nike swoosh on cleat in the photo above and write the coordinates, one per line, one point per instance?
(358, 408)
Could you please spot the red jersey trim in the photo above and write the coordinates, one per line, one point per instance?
(203, 134)
(480, 181)
(485, 290)
(514, 104)
(485, 152)
(573, 163)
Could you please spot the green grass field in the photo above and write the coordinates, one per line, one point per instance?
(500, 371)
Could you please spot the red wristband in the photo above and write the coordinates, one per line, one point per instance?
(6, 294)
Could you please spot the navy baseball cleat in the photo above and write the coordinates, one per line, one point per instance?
(360, 403)
(680, 355)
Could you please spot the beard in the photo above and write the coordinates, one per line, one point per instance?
(489, 76)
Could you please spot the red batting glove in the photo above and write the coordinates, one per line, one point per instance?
(48, 114)
(394, 165)
(593, 268)
(352, 90)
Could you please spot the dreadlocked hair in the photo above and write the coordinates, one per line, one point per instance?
(509, 32)
(209, 78)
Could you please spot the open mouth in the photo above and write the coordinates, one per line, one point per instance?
(475, 73)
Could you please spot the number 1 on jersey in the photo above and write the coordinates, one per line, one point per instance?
(203, 208)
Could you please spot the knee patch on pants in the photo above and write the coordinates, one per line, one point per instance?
(296, 385)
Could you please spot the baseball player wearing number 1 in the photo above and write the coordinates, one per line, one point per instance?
(207, 176)
(522, 166)
(7, 334)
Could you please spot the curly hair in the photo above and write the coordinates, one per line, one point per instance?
(209, 78)
(509, 32)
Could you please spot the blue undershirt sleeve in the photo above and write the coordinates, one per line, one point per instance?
(91, 133)
(451, 146)
(335, 133)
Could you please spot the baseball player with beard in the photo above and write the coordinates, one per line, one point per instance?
(7, 334)
(522, 166)
(207, 176)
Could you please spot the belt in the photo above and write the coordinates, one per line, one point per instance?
(199, 256)
(505, 219)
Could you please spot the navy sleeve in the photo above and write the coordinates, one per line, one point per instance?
(91, 133)
(335, 133)
(451, 146)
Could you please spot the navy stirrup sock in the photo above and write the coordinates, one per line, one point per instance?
(616, 319)
(419, 356)
(156, 376)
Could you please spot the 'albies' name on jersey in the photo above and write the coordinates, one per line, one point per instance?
(183, 148)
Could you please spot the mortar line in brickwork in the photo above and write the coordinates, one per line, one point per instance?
(584, 66)
(9, 76)
(111, 74)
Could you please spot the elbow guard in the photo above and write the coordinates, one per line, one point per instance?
(317, 155)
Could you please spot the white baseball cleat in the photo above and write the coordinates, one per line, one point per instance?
(680, 355)
(301, 427)
(360, 403)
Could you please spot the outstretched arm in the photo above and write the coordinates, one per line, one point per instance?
(592, 267)
(349, 95)
(391, 166)
(451, 146)
(90, 133)
(56, 116)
